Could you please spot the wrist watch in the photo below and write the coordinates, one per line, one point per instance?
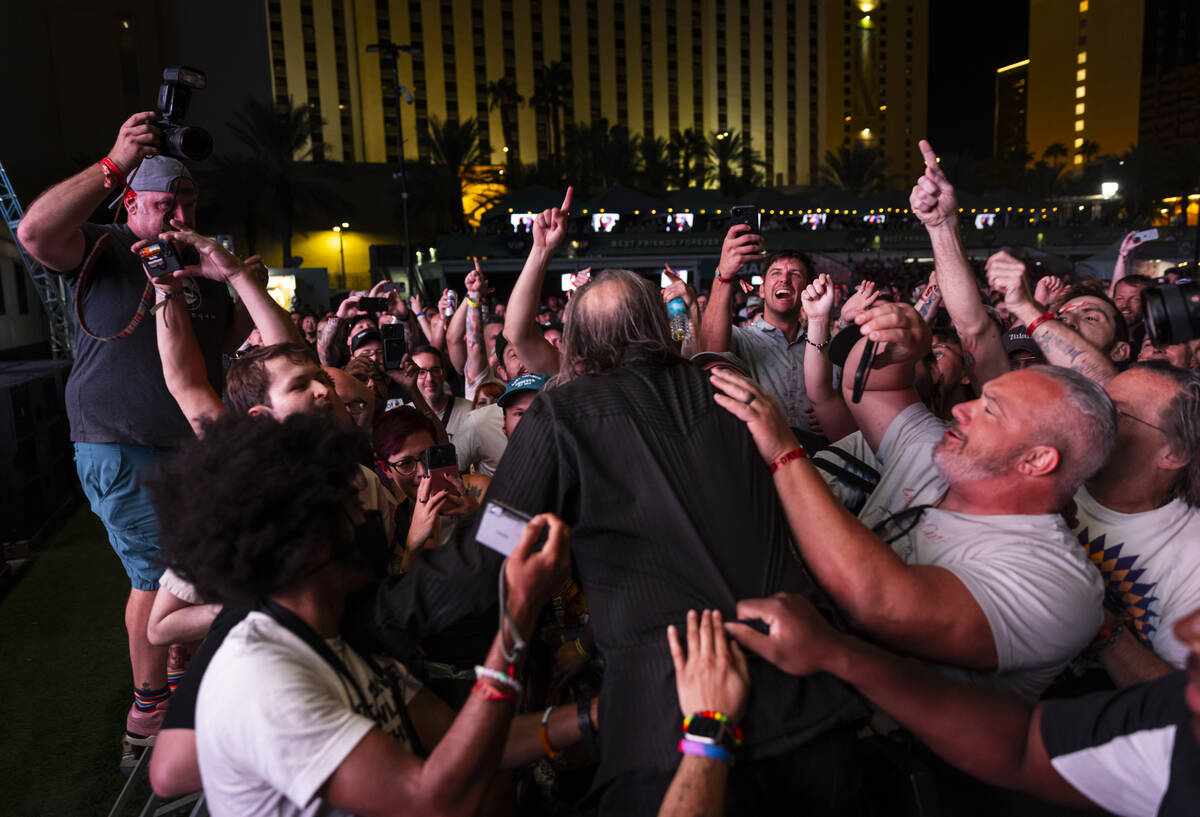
(710, 731)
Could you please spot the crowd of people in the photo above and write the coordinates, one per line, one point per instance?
(835, 551)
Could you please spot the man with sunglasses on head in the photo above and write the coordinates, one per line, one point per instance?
(959, 556)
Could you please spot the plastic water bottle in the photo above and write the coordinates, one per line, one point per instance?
(681, 327)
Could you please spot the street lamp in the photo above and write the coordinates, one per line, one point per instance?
(390, 50)
(342, 248)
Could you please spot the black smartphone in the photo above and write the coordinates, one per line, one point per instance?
(500, 527)
(394, 345)
(441, 462)
(863, 371)
(162, 257)
(745, 214)
(373, 304)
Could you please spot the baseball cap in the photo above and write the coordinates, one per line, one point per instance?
(703, 359)
(365, 336)
(521, 383)
(162, 174)
(1018, 340)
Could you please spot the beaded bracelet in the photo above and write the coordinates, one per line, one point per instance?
(691, 747)
(499, 677)
(490, 693)
(813, 344)
(713, 715)
(784, 459)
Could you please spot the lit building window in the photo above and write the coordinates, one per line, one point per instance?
(1079, 106)
(1081, 58)
(1078, 142)
(1081, 92)
(1081, 75)
(1078, 159)
(1078, 125)
(1083, 6)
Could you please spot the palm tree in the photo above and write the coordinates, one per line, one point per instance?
(656, 165)
(859, 169)
(689, 152)
(723, 149)
(1089, 149)
(552, 88)
(1055, 151)
(455, 149)
(268, 181)
(503, 96)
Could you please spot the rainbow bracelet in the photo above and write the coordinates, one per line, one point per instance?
(691, 747)
(712, 714)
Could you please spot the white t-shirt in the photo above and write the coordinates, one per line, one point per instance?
(274, 720)
(488, 375)
(1150, 561)
(1041, 596)
(481, 440)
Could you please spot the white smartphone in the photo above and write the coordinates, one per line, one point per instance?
(500, 527)
(1146, 235)
(664, 281)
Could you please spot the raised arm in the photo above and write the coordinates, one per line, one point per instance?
(536, 353)
(828, 405)
(934, 203)
(1121, 268)
(920, 610)
(994, 737)
(182, 362)
(1061, 345)
(904, 338)
(741, 245)
(477, 356)
(331, 330)
(50, 230)
(379, 777)
(456, 334)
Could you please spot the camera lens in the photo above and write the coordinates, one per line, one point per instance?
(188, 142)
(1172, 313)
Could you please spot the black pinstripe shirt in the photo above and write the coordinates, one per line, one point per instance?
(671, 509)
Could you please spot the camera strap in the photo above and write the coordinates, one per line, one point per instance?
(81, 285)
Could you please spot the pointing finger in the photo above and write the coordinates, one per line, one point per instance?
(566, 205)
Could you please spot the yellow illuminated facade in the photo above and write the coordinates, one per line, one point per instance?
(1073, 100)
(800, 76)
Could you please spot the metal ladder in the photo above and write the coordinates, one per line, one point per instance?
(50, 288)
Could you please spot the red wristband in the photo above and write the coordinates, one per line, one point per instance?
(784, 459)
(113, 177)
(1036, 322)
(491, 693)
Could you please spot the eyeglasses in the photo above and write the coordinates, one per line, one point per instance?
(405, 467)
(899, 524)
(1140, 420)
(432, 371)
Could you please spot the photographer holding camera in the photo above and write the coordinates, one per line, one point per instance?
(122, 416)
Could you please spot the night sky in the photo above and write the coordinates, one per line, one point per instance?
(967, 43)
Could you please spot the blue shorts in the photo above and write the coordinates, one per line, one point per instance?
(111, 475)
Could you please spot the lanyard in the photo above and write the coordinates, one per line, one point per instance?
(301, 629)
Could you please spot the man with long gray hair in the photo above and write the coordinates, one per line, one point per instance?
(671, 510)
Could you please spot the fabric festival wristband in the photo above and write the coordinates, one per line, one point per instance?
(490, 693)
(113, 177)
(784, 459)
(691, 747)
(548, 747)
(582, 651)
(1036, 322)
(473, 304)
(482, 672)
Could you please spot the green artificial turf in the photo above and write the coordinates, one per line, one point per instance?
(65, 682)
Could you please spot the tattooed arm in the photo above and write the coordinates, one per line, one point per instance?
(1061, 344)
